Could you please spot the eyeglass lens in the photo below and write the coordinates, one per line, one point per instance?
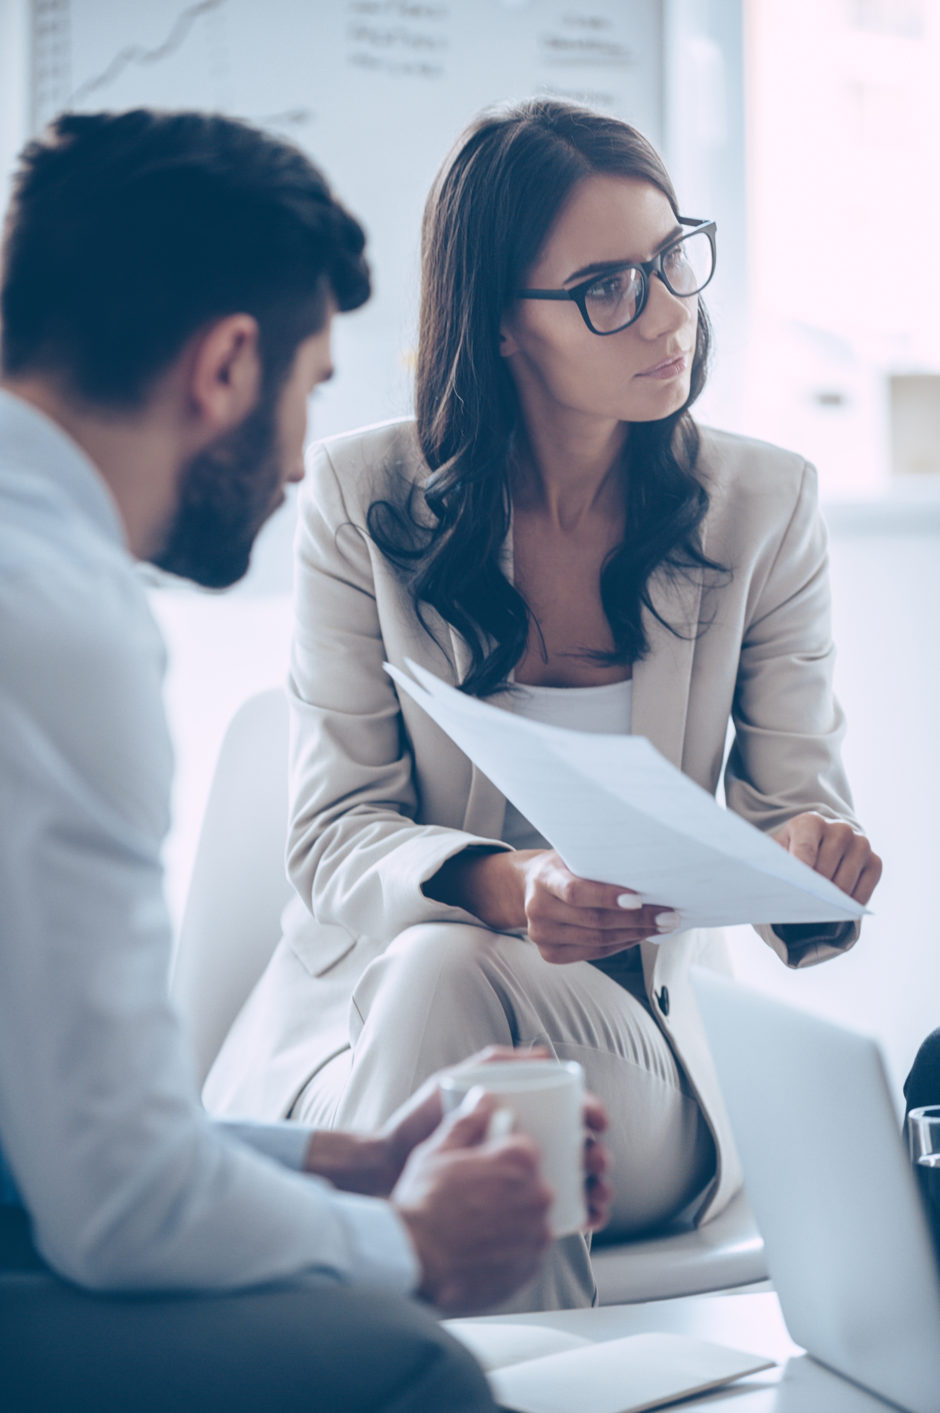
(611, 301)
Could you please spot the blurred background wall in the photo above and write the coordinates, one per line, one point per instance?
(808, 128)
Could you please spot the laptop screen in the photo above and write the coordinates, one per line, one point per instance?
(827, 1176)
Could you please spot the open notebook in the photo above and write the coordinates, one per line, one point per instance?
(536, 1370)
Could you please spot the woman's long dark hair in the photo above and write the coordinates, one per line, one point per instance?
(487, 217)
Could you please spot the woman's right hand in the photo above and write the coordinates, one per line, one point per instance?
(569, 919)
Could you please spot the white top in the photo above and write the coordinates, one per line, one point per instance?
(607, 709)
(128, 1183)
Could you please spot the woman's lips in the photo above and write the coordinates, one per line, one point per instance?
(670, 368)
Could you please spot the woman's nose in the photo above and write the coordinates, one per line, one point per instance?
(665, 312)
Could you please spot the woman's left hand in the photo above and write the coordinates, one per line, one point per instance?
(834, 849)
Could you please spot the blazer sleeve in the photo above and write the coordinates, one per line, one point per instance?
(357, 854)
(785, 758)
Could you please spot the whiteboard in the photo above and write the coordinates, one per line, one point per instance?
(376, 91)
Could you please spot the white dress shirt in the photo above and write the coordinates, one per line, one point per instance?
(128, 1184)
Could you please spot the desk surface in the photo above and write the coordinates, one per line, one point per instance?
(751, 1322)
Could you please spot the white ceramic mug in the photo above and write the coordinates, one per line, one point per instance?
(544, 1099)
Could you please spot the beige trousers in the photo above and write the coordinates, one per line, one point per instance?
(443, 991)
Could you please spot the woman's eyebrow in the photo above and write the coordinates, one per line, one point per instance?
(599, 266)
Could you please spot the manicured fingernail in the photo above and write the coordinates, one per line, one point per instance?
(629, 900)
(667, 922)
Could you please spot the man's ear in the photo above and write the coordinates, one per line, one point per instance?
(225, 373)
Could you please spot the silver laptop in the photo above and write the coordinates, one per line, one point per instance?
(827, 1175)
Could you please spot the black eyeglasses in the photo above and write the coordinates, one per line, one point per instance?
(614, 299)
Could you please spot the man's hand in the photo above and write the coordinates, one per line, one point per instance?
(598, 1192)
(420, 1115)
(417, 1119)
(476, 1211)
(373, 1165)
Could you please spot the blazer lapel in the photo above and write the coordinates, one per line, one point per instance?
(486, 806)
(662, 679)
(661, 683)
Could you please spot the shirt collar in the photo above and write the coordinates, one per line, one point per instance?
(38, 442)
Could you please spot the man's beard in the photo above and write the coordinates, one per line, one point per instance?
(226, 493)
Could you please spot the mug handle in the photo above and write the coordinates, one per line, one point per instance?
(502, 1124)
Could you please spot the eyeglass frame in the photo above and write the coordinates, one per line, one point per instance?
(647, 268)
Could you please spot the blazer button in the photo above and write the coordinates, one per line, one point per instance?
(662, 998)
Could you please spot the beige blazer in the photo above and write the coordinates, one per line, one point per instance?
(380, 797)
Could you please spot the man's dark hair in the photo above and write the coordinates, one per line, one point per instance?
(128, 232)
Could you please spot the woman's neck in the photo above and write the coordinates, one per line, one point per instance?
(566, 471)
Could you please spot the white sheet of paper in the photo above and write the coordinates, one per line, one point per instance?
(626, 1375)
(618, 812)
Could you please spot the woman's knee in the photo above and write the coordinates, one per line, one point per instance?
(440, 957)
(437, 981)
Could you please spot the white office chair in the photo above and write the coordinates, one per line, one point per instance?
(231, 925)
(239, 884)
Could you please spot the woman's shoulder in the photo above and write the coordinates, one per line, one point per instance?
(740, 471)
(396, 437)
(376, 462)
(374, 451)
(728, 457)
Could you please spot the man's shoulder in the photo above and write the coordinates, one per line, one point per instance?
(64, 590)
(81, 658)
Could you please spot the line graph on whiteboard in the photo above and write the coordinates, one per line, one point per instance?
(277, 64)
(89, 54)
(138, 54)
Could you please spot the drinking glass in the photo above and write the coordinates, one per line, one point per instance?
(923, 1138)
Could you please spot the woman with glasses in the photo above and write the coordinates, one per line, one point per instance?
(555, 533)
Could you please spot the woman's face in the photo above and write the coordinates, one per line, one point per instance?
(637, 375)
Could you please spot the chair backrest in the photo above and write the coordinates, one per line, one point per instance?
(239, 885)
